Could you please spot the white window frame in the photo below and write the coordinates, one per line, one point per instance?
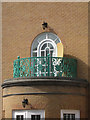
(28, 113)
(20, 112)
(46, 39)
(36, 112)
(76, 112)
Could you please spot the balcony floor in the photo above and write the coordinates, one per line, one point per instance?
(31, 81)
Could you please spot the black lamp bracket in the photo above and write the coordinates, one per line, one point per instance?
(25, 102)
(45, 25)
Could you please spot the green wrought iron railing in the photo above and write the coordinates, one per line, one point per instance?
(44, 66)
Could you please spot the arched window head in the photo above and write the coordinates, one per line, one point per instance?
(44, 44)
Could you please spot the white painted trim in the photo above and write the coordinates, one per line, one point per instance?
(76, 112)
(45, 40)
(42, 43)
(36, 112)
(19, 113)
(28, 113)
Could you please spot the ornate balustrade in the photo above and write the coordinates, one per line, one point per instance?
(45, 66)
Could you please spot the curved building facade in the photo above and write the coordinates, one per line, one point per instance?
(47, 97)
(49, 78)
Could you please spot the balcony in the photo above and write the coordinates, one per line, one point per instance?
(45, 66)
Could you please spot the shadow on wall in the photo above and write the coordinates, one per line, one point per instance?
(82, 67)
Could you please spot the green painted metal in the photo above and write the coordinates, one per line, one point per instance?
(45, 66)
(16, 70)
(48, 65)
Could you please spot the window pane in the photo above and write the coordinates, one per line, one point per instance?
(47, 52)
(51, 36)
(38, 117)
(41, 37)
(42, 53)
(32, 117)
(34, 54)
(50, 46)
(35, 44)
(64, 116)
(19, 117)
(44, 46)
(51, 53)
(35, 117)
(68, 116)
(73, 116)
(57, 41)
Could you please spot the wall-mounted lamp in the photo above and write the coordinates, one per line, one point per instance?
(24, 102)
(44, 25)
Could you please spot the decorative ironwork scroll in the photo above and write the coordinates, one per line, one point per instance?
(45, 66)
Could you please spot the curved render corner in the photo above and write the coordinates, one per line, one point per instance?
(45, 93)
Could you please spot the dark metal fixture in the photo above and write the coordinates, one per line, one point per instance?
(24, 102)
(44, 25)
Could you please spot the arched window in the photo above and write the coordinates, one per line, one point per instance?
(44, 44)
